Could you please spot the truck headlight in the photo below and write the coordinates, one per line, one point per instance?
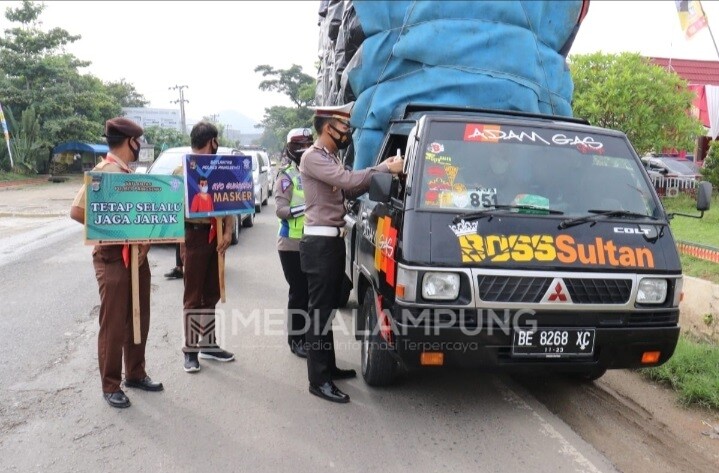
(440, 286)
(652, 291)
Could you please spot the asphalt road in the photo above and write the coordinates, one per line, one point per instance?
(254, 414)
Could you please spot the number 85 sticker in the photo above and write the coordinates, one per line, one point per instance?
(477, 199)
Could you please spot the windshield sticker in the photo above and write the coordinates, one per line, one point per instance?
(433, 158)
(564, 249)
(435, 147)
(494, 134)
(476, 199)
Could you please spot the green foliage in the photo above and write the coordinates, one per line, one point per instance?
(627, 93)
(693, 371)
(27, 150)
(35, 70)
(278, 120)
(710, 170)
(163, 138)
(702, 231)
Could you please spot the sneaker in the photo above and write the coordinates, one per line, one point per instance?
(191, 363)
(217, 354)
(176, 273)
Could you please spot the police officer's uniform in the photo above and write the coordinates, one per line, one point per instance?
(290, 209)
(322, 250)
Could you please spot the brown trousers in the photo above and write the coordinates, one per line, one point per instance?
(202, 287)
(115, 336)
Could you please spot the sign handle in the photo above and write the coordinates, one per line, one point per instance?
(221, 257)
(135, 275)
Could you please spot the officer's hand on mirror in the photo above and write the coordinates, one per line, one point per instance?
(395, 165)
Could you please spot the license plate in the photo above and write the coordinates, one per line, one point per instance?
(553, 342)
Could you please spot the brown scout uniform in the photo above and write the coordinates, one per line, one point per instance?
(115, 337)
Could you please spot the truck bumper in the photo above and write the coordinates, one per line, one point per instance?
(614, 348)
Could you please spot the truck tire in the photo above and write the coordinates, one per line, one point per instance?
(249, 222)
(379, 368)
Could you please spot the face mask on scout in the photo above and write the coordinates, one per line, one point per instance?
(203, 189)
(214, 147)
(135, 152)
(344, 139)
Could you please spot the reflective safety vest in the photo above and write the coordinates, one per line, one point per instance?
(292, 227)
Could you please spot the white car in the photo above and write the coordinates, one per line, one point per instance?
(261, 175)
(171, 158)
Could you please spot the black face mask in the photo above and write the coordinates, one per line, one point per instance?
(135, 152)
(214, 149)
(296, 155)
(344, 140)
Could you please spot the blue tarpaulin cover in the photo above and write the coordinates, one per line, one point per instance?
(79, 146)
(507, 55)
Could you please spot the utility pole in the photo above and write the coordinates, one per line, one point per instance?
(181, 101)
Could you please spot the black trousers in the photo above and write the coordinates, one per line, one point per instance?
(297, 297)
(178, 256)
(323, 260)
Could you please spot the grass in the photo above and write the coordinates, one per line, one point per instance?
(12, 176)
(703, 231)
(693, 371)
(700, 268)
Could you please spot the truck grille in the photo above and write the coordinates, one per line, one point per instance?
(599, 291)
(521, 289)
(512, 288)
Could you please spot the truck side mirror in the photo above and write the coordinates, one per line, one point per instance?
(380, 187)
(704, 196)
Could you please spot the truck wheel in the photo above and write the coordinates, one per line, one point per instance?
(379, 368)
(346, 290)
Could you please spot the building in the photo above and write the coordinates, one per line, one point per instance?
(703, 79)
(147, 117)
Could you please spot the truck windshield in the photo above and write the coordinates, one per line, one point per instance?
(474, 166)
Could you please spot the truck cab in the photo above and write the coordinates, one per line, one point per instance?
(515, 242)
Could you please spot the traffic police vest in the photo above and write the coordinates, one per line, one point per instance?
(292, 227)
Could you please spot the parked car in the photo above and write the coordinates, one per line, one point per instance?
(261, 175)
(171, 158)
(670, 166)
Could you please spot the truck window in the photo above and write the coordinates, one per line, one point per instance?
(470, 166)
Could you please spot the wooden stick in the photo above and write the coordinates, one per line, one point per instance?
(221, 257)
(135, 274)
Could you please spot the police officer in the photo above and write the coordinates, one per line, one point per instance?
(290, 210)
(322, 250)
(112, 271)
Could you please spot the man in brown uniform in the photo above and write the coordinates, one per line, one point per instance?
(114, 280)
(202, 279)
(322, 250)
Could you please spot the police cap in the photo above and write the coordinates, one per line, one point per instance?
(339, 112)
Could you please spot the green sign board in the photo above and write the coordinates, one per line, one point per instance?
(133, 208)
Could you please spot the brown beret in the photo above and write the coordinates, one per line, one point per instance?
(122, 127)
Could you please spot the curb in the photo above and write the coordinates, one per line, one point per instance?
(33, 181)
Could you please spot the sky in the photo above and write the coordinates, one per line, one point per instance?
(213, 47)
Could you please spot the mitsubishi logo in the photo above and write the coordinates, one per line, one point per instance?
(557, 292)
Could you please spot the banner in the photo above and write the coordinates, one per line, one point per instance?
(7, 135)
(691, 16)
(133, 208)
(218, 185)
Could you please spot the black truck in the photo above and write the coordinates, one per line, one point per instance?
(512, 242)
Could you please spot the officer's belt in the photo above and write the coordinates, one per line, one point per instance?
(325, 231)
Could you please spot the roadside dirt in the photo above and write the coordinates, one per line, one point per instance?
(637, 424)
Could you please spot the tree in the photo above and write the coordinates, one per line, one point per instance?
(25, 146)
(278, 120)
(626, 92)
(36, 71)
(710, 169)
(163, 138)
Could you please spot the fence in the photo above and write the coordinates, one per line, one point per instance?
(707, 253)
(673, 186)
